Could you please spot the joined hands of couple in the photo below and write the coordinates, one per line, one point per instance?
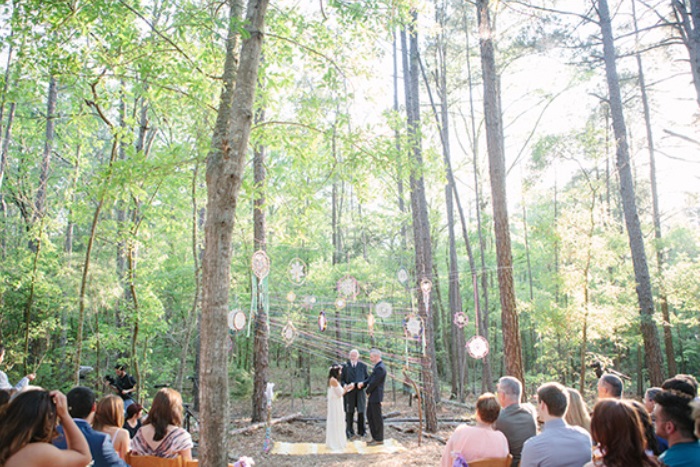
(351, 386)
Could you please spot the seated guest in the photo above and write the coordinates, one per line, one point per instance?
(610, 387)
(674, 423)
(649, 399)
(480, 441)
(133, 419)
(618, 430)
(5, 382)
(28, 426)
(516, 421)
(81, 405)
(577, 414)
(683, 383)
(162, 434)
(559, 445)
(109, 417)
(653, 446)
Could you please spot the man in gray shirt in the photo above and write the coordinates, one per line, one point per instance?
(559, 444)
(516, 421)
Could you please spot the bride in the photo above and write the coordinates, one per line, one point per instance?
(335, 423)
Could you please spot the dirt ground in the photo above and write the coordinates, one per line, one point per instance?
(427, 454)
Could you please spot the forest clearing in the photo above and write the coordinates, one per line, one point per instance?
(216, 196)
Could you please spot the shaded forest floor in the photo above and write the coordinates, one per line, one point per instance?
(250, 444)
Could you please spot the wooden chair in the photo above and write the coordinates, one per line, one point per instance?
(153, 461)
(491, 462)
(193, 463)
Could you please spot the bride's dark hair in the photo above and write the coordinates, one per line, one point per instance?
(334, 372)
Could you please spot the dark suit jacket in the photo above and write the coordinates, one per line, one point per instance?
(101, 448)
(356, 397)
(375, 383)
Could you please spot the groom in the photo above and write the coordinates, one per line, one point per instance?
(375, 393)
(354, 372)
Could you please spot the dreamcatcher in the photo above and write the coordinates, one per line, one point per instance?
(308, 301)
(478, 347)
(383, 309)
(460, 319)
(348, 287)
(236, 320)
(289, 333)
(296, 272)
(402, 276)
(260, 264)
(291, 296)
(414, 329)
(340, 303)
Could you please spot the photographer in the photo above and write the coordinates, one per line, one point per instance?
(124, 385)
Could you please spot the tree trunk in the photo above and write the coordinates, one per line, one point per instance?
(481, 312)
(40, 204)
(688, 26)
(494, 142)
(656, 214)
(261, 345)
(421, 230)
(225, 164)
(652, 348)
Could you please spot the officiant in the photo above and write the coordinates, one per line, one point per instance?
(354, 371)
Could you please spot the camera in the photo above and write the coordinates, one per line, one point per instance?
(110, 379)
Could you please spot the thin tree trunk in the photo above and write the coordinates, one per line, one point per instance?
(225, 164)
(397, 145)
(483, 311)
(191, 321)
(86, 264)
(494, 141)
(40, 204)
(656, 214)
(421, 230)
(688, 26)
(261, 345)
(652, 347)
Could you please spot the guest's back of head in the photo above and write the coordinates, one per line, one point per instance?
(487, 408)
(81, 401)
(577, 412)
(4, 397)
(555, 397)
(616, 427)
(652, 443)
(610, 386)
(29, 418)
(165, 410)
(686, 384)
(109, 412)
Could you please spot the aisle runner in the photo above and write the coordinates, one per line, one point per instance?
(353, 447)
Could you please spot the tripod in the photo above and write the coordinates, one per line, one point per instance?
(190, 421)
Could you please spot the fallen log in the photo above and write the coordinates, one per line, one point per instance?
(427, 435)
(323, 419)
(255, 426)
(458, 404)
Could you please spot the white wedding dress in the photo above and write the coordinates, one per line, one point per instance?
(335, 421)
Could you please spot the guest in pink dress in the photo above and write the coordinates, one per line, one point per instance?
(479, 441)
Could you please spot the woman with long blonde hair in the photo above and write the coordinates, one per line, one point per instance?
(577, 413)
(109, 419)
